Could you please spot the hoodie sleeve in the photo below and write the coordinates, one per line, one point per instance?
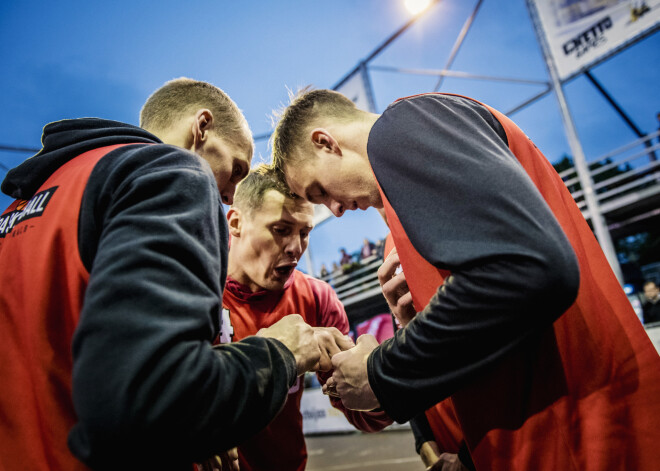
(148, 387)
(468, 207)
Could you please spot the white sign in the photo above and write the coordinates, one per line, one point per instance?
(581, 32)
(319, 416)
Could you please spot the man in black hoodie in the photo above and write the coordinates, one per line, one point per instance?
(114, 258)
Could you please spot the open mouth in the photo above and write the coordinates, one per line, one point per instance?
(285, 270)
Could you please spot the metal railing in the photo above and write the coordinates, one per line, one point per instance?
(359, 284)
(621, 177)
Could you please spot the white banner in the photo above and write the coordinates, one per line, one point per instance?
(581, 32)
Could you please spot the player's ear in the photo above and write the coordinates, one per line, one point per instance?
(234, 222)
(202, 124)
(324, 141)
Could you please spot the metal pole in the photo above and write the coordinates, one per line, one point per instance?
(581, 167)
(310, 264)
(622, 113)
(372, 55)
(457, 44)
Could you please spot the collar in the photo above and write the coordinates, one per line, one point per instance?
(244, 293)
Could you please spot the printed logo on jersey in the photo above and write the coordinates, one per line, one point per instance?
(226, 329)
(32, 208)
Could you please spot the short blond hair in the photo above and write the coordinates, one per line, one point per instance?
(295, 120)
(250, 191)
(182, 96)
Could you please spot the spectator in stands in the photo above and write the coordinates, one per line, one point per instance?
(346, 258)
(379, 249)
(269, 233)
(368, 249)
(324, 271)
(651, 307)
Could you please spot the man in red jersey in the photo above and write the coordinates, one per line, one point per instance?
(519, 320)
(114, 258)
(269, 231)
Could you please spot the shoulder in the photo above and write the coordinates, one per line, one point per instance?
(317, 286)
(150, 157)
(152, 165)
(426, 122)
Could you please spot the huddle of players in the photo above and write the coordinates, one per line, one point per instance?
(145, 341)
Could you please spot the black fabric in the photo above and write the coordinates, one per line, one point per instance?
(421, 430)
(651, 312)
(465, 457)
(64, 140)
(467, 206)
(149, 389)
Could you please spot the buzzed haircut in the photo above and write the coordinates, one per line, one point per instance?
(184, 96)
(295, 120)
(250, 191)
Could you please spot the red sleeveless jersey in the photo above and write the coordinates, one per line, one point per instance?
(43, 286)
(601, 368)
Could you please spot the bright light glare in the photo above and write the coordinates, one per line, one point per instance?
(417, 6)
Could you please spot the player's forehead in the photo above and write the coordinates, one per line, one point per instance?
(277, 207)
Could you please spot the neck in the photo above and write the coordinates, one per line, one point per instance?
(179, 135)
(234, 269)
(355, 135)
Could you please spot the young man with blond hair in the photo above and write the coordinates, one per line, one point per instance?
(269, 231)
(513, 313)
(114, 259)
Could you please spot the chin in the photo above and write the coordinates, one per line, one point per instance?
(275, 285)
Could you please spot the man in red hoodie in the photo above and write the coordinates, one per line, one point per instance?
(269, 231)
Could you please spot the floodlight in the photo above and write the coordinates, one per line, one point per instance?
(416, 7)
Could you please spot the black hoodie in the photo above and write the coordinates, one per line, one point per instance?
(149, 390)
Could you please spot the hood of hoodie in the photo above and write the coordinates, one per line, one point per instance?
(64, 140)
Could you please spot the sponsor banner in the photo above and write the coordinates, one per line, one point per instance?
(582, 32)
(380, 326)
(319, 416)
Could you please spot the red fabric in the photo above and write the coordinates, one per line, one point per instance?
(43, 285)
(592, 400)
(281, 445)
(379, 326)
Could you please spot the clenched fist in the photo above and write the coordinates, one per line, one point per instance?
(298, 337)
(331, 341)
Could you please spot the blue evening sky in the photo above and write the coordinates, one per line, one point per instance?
(75, 58)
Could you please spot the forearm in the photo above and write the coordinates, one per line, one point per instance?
(471, 322)
(147, 385)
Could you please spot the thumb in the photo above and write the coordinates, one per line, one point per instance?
(337, 358)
